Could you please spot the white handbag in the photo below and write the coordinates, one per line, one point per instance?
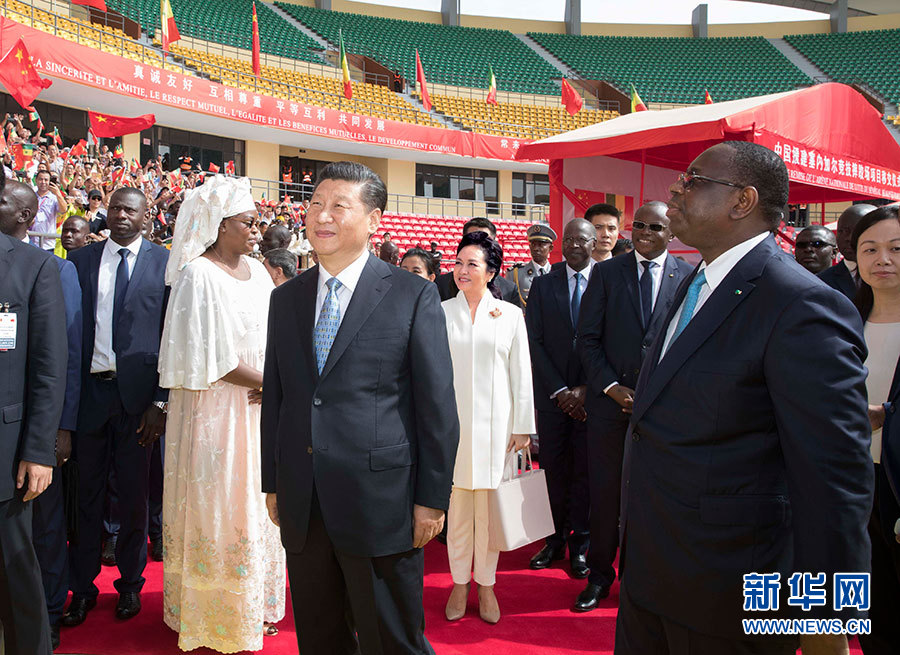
(519, 509)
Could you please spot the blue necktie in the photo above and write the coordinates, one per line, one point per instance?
(646, 288)
(328, 323)
(690, 304)
(576, 300)
(121, 289)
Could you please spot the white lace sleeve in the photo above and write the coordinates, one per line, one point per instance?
(200, 332)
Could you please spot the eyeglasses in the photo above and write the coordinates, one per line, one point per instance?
(641, 225)
(803, 245)
(687, 181)
(578, 241)
(250, 225)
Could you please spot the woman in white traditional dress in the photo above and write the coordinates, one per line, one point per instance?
(494, 398)
(224, 566)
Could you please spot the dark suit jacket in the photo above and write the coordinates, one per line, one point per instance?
(141, 322)
(377, 431)
(508, 291)
(839, 277)
(71, 290)
(611, 337)
(748, 448)
(34, 372)
(551, 338)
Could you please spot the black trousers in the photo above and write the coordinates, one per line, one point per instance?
(605, 449)
(884, 609)
(113, 444)
(49, 537)
(155, 499)
(564, 458)
(642, 632)
(23, 612)
(335, 595)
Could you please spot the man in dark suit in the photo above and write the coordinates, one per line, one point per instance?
(18, 207)
(33, 359)
(621, 315)
(359, 429)
(447, 286)
(748, 447)
(554, 302)
(122, 410)
(843, 276)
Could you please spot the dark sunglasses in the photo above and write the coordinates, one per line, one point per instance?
(803, 245)
(688, 180)
(655, 227)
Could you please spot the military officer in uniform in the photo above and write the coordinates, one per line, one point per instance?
(540, 241)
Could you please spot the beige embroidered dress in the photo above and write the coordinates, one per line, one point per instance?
(224, 566)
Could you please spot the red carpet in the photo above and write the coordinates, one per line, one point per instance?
(535, 606)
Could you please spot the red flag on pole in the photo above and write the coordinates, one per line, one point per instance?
(96, 4)
(78, 148)
(707, 99)
(169, 28)
(423, 85)
(229, 167)
(256, 67)
(213, 168)
(570, 98)
(19, 77)
(107, 125)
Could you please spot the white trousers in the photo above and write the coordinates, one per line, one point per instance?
(467, 536)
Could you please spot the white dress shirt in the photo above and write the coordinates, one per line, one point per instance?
(348, 278)
(583, 283)
(104, 358)
(540, 270)
(715, 273)
(656, 273)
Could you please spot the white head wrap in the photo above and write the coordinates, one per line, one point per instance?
(201, 213)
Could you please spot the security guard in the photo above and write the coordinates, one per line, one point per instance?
(540, 241)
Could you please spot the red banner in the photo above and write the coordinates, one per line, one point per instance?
(63, 59)
(820, 168)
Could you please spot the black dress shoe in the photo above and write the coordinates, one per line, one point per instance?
(129, 605)
(579, 566)
(590, 597)
(77, 611)
(54, 636)
(108, 556)
(545, 556)
(156, 550)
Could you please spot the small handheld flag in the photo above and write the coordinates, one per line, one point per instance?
(636, 103)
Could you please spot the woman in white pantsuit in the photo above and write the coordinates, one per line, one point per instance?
(492, 380)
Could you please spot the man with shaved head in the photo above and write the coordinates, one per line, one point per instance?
(122, 412)
(815, 248)
(389, 253)
(843, 276)
(18, 207)
(622, 314)
(74, 233)
(277, 236)
(554, 302)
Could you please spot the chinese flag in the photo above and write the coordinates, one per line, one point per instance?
(423, 85)
(256, 66)
(78, 148)
(19, 77)
(229, 167)
(707, 99)
(96, 4)
(570, 98)
(213, 168)
(107, 125)
(169, 28)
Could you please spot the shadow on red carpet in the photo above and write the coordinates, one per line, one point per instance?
(535, 607)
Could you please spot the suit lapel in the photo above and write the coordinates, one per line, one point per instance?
(668, 286)
(373, 284)
(6, 247)
(140, 265)
(847, 280)
(732, 291)
(305, 307)
(629, 277)
(561, 292)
